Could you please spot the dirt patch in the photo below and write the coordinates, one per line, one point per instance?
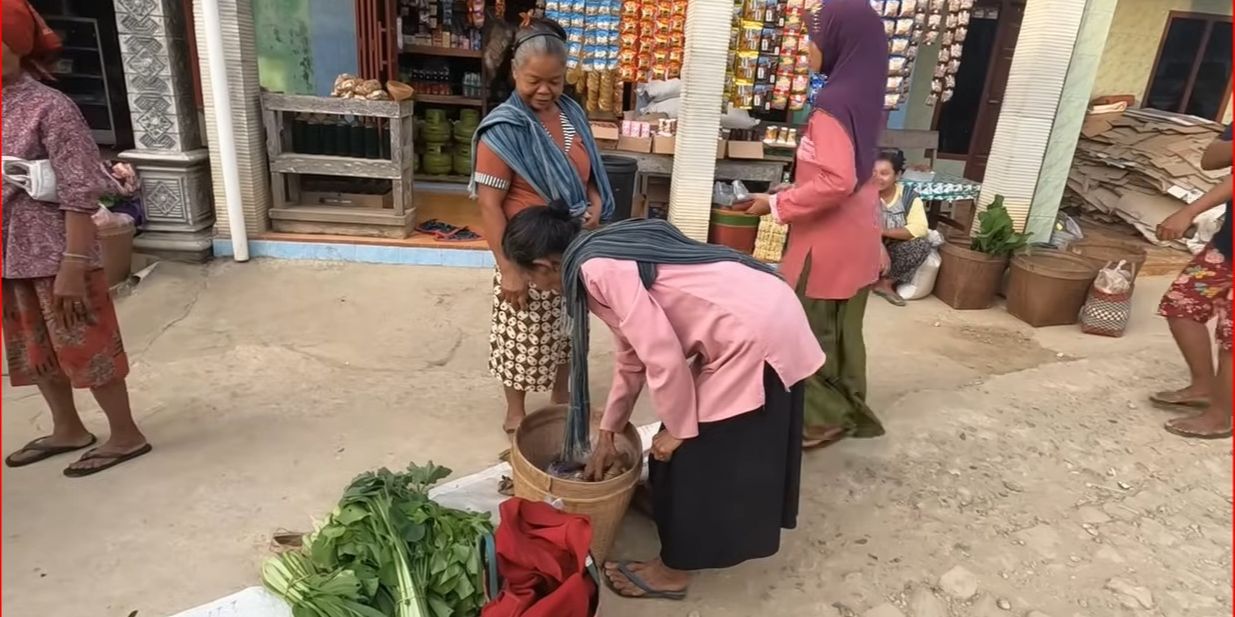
(991, 349)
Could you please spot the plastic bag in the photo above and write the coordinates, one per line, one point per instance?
(923, 281)
(1115, 279)
(36, 178)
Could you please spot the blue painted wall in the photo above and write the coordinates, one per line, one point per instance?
(333, 38)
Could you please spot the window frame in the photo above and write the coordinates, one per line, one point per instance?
(1211, 20)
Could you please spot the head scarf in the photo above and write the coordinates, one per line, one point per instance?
(27, 35)
(850, 35)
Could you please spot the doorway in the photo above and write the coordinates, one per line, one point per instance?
(966, 123)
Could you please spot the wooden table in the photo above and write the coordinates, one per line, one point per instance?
(770, 171)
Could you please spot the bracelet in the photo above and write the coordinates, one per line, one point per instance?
(76, 256)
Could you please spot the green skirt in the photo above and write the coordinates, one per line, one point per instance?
(836, 394)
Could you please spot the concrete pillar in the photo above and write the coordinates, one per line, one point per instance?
(703, 85)
(245, 87)
(169, 156)
(1052, 75)
(1073, 104)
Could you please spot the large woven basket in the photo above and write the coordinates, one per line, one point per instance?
(770, 243)
(538, 440)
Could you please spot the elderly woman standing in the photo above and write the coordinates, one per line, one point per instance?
(532, 150)
(60, 327)
(833, 253)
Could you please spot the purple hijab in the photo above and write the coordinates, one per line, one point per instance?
(855, 58)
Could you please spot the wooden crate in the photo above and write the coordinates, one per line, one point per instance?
(288, 211)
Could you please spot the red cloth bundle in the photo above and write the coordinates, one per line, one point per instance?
(542, 557)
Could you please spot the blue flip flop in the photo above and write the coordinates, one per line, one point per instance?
(648, 592)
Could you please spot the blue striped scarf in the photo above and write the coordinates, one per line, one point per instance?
(512, 131)
(648, 243)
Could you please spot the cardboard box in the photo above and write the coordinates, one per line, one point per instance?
(722, 148)
(642, 145)
(605, 130)
(664, 144)
(607, 144)
(746, 150)
(348, 200)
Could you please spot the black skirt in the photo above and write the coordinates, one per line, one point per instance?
(724, 496)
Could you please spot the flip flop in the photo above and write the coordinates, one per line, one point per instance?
(113, 460)
(43, 452)
(648, 592)
(1157, 398)
(1175, 430)
(892, 298)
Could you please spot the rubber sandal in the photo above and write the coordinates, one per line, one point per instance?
(1157, 399)
(114, 459)
(43, 452)
(892, 299)
(648, 592)
(1175, 430)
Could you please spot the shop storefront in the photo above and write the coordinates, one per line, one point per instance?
(952, 92)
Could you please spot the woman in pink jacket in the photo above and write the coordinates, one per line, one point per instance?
(833, 253)
(723, 347)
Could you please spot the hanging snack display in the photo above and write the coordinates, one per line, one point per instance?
(954, 20)
(652, 40)
(906, 22)
(769, 62)
(592, 45)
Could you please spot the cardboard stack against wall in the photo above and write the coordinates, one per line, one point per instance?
(1140, 166)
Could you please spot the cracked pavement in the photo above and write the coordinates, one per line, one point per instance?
(1025, 465)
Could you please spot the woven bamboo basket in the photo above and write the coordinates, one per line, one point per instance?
(538, 440)
(770, 243)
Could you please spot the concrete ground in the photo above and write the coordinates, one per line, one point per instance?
(1022, 470)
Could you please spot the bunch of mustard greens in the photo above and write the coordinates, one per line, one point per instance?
(387, 550)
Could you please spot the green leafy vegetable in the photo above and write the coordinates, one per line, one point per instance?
(388, 550)
(997, 235)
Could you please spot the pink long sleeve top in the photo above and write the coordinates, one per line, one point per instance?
(698, 338)
(830, 223)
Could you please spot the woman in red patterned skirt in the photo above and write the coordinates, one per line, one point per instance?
(60, 328)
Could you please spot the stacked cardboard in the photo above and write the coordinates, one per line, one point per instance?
(1140, 166)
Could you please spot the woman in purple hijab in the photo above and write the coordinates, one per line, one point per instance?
(833, 255)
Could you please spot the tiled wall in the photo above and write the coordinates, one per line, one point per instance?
(1132, 45)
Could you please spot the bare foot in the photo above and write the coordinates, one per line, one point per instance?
(1208, 425)
(654, 575)
(513, 420)
(823, 438)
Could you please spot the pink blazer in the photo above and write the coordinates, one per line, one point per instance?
(836, 228)
(699, 339)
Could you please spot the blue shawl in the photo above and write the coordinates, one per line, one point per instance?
(515, 135)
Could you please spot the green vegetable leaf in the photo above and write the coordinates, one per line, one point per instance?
(439, 608)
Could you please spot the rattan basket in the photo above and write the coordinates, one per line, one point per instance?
(538, 440)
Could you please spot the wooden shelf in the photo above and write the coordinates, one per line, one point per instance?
(291, 163)
(449, 52)
(289, 213)
(348, 221)
(331, 105)
(446, 178)
(448, 99)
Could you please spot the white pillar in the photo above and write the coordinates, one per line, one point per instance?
(239, 64)
(1040, 66)
(1069, 116)
(703, 85)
